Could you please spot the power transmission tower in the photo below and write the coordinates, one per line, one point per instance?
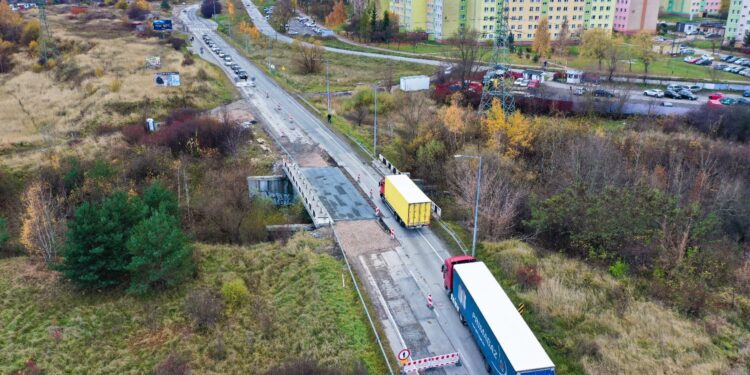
(46, 47)
(494, 84)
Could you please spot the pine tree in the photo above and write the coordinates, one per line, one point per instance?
(746, 39)
(373, 23)
(165, 5)
(95, 254)
(158, 198)
(161, 254)
(386, 25)
(509, 42)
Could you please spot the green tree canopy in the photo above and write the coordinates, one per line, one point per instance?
(95, 254)
(161, 254)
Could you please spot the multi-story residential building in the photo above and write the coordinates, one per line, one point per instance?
(696, 7)
(442, 18)
(738, 21)
(632, 16)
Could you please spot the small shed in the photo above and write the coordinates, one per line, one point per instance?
(573, 76)
(687, 27)
(532, 74)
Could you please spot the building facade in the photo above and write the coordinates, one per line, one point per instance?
(700, 8)
(738, 21)
(442, 18)
(633, 16)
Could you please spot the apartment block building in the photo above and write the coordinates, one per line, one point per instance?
(633, 16)
(738, 21)
(696, 7)
(442, 18)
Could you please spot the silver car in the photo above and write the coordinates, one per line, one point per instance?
(656, 93)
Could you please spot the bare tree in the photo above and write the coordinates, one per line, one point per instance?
(309, 57)
(282, 12)
(500, 201)
(42, 228)
(413, 111)
(468, 53)
(614, 53)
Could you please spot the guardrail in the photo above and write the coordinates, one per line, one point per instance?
(307, 194)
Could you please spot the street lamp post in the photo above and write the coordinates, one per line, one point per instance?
(328, 90)
(375, 123)
(476, 201)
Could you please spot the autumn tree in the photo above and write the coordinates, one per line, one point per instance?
(454, 119)
(42, 224)
(644, 50)
(510, 134)
(542, 39)
(121, 5)
(283, 11)
(6, 56)
(337, 16)
(11, 23)
(595, 44)
(31, 31)
(249, 30)
(308, 56)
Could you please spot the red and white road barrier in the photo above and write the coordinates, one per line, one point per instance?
(429, 301)
(357, 177)
(393, 234)
(377, 211)
(432, 362)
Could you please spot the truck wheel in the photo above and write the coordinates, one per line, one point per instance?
(487, 366)
(461, 317)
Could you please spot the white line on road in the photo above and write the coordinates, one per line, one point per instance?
(425, 291)
(371, 280)
(431, 247)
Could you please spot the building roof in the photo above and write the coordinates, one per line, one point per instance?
(533, 71)
(524, 351)
(408, 189)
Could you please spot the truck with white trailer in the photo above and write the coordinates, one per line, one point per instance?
(414, 83)
(505, 340)
(410, 205)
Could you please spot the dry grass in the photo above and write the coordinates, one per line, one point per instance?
(592, 322)
(51, 113)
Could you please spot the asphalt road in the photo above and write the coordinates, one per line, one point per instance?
(262, 24)
(402, 277)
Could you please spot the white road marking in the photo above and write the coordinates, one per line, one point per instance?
(382, 301)
(431, 247)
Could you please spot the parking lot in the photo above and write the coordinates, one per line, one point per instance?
(305, 26)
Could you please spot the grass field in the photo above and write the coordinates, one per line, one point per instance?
(590, 322)
(297, 308)
(111, 87)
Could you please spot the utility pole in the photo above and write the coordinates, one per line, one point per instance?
(476, 200)
(328, 89)
(375, 136)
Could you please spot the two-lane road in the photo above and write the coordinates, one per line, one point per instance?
(414, 267)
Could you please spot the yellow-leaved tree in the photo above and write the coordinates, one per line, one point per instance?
(511, 135)
(249, 30)
(454, 118)
(337, 16)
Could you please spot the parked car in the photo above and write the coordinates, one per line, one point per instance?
(523, 82)
(732, 59)
(534, 83)
(728, 101)
(654, 93)
(715, 95)
(672, 94)
(743, 101)
(746, 94)
(678, 87)
(704, 62)
(686, 94)
(720, 66)
(603, 93)
(695, 88)
(725, 57)
(579, 91)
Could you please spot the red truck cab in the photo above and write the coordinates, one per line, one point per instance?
(381, 184)
(448, 269)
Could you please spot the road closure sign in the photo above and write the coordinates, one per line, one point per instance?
(161, 25)
(167, 79)
(403, 356)
(153, 62)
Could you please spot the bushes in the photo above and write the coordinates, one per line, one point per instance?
(187, 133)
(235, 293)
(138, 10)
(528, 277)
(174, 364)
(210, 7)
(203, 307)
(177, 43)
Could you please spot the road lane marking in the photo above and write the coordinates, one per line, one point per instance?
(431, 247)
(371, 280)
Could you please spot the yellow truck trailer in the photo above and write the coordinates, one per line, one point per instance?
(406, 200)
